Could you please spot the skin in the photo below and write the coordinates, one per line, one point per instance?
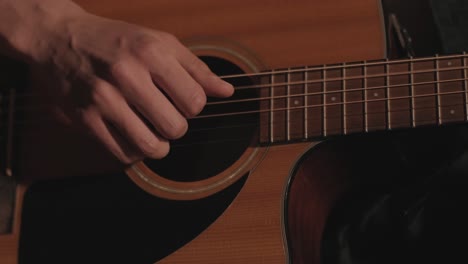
(131, 88)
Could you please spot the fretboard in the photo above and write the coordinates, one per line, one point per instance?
(314, 102)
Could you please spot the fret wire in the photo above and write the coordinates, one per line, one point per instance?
(324, 99)
(465, 86)
(365, 95)
(306, 102)
(343, 110)
(272, 101)
(439, 110)
(387, 82)
(412, 93)
(288, 106)
(8, 170)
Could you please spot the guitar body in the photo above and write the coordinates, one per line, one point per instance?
(254, 36)
(258, 36)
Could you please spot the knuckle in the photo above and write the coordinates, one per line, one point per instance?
(167, 37)
(118, 66)
(195, 63)
(143, 45)
(163, 69)
(150, 44)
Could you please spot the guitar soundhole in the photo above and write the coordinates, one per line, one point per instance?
(212, 144)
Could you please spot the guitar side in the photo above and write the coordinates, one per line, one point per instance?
(278, 35)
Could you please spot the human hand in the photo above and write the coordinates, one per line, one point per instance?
(129, 87)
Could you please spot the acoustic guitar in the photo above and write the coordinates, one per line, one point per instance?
(304, 71)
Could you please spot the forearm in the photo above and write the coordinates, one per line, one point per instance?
(27, 25)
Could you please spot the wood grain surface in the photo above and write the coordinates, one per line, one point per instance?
(270, 34)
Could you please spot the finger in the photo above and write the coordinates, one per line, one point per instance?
(139, 90)
(111, 140)
(184, 91)
(115, 109)
(212, 84)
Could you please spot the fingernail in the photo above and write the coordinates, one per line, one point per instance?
(226, 86)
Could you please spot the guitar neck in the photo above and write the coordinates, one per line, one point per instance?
(315, 102)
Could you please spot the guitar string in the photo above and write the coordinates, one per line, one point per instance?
(315, 136)
(308, 70)
(349, 78)
(353, 90)
(362, 114)
(340, 66)
(360, 128)
(320, 106)
(314, 81)
(326, 92)
(335, 91)
(278, 97)
(327, 104)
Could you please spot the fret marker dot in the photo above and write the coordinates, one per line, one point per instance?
(452, 112)
(449, 63)
(333, 99)
(296, 102)
(376, 94)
